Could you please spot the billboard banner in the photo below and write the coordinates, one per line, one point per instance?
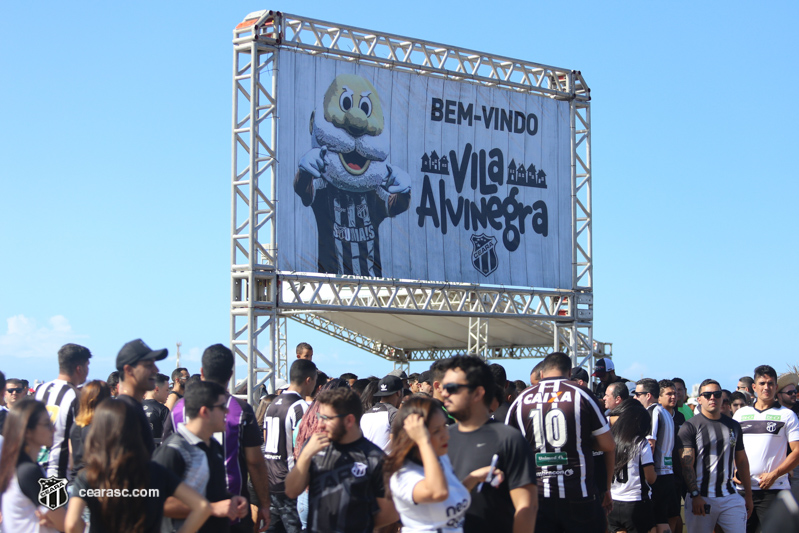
(389, 174)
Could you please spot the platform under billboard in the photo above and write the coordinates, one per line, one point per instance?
(387, 174)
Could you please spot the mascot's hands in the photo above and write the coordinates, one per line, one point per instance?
(314, 162)
(397, 181)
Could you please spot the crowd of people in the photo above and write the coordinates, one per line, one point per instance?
(456, 448)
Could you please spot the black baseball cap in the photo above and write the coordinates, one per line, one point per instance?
(388, 386)
(135, 351)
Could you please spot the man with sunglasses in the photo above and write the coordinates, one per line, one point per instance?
(769, 429)
(14, 391)
(711, 448)
(196, 458)
(242, 440)
(786, 395)
(468, 388)
(342, 470)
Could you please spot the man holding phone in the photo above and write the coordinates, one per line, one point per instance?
(712, 447)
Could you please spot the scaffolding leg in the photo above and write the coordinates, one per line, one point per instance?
(478, 338)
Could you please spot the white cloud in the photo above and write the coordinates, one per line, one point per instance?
(25, 338)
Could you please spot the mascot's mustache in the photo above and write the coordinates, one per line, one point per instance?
(338, 175)
(341, 141)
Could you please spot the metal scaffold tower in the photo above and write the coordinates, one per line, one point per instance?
(439, 319)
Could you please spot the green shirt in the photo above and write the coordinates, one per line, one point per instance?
(686, 411)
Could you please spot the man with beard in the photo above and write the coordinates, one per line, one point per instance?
(342, 469)
(468, 388)
(346, 180)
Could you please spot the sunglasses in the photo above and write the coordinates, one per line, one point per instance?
(453, 388)
(637, 394)
(15, 391)
(320, 416)
(789, 392)
(708, 395)
(222, 406)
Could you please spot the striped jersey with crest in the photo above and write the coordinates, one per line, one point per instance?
(715, 443)
(559, 418)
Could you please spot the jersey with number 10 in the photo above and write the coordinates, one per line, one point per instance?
(281, 419)
(559, 418)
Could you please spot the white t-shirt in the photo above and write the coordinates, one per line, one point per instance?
(429, 517)
(766, 437)
(630, 485)
(19, 511)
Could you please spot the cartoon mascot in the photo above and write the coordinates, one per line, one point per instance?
(346, 180)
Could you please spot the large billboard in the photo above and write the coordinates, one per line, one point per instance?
(389, 174)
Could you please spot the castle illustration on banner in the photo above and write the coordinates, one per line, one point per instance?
(520, 175)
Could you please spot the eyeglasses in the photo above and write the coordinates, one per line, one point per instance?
(222, 406)
(453, 388)
(320, 416)
(15, 391)
(707, 395)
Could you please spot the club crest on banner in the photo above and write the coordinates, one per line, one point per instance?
(53, 492)
(484, 254)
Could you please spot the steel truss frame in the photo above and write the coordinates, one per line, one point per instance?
(262, 297)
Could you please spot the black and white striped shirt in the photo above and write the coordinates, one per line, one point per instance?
(281, 419)
(559, 418)
(715, 442)
(662, 431)
(60, 398)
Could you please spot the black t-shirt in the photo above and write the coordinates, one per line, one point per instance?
(77, 437)
(160, 478)
(156, 415)
(28, 476)
(146, 432)
(492, 509)
(3, 413)
(345, 482)
(501, 413)
(215, 490)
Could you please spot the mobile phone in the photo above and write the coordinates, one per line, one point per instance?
(707, 508)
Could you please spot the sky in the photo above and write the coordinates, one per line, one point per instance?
(115, 174)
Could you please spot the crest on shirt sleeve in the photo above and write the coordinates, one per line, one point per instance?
(53, 492)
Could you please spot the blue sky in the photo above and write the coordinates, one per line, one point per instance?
(115, 173)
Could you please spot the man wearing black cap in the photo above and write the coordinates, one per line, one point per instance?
(137, 373)
(605, 370)
(376, 422)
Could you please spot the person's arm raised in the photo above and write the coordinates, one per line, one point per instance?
(433, 487)
(298, 478)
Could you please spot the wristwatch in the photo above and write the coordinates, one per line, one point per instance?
(694, 493)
